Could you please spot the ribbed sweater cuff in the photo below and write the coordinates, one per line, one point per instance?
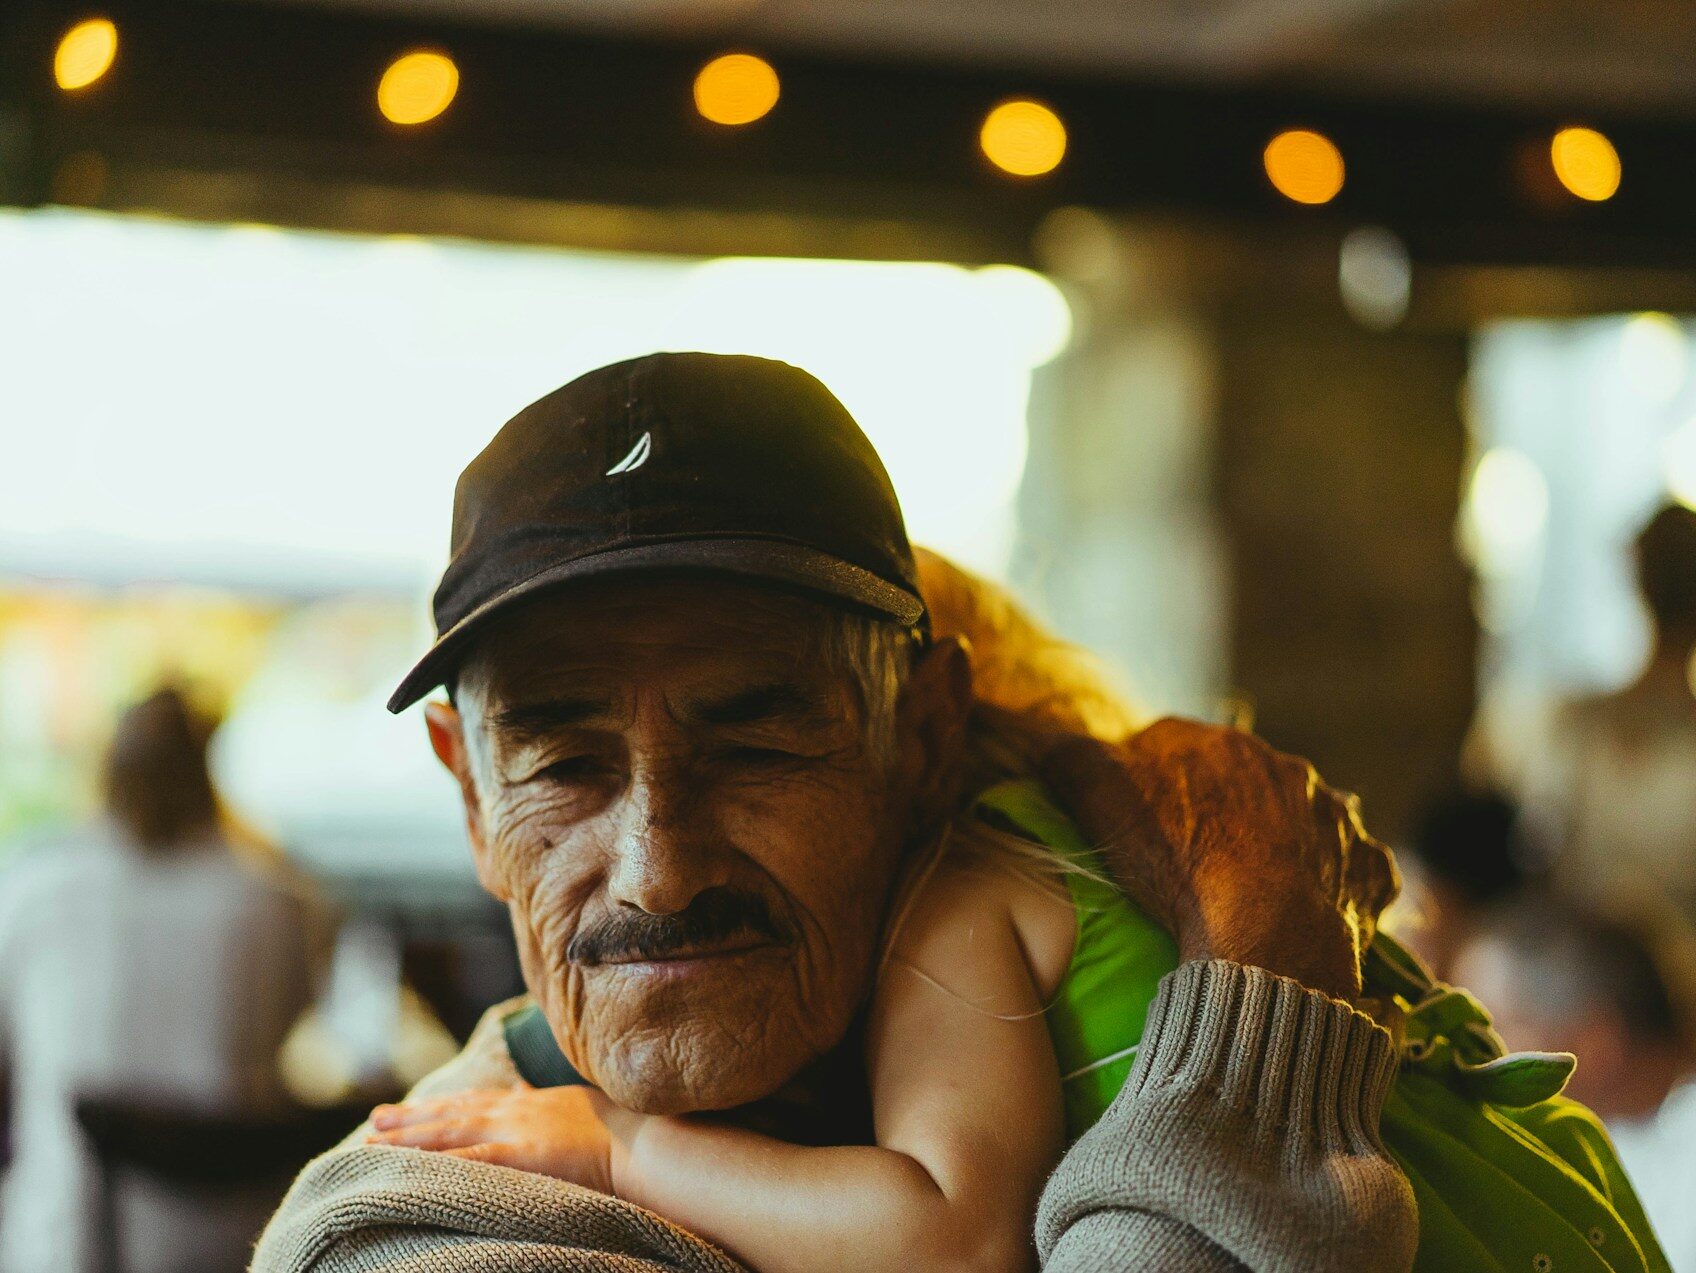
(1253, 1104)
(1267, 1043)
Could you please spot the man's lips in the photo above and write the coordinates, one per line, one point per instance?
(688, 955)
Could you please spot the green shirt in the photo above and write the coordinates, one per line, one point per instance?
(1096, 1016)
(1508, 1174)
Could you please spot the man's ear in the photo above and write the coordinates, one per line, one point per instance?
(447, 740)
(931, 719)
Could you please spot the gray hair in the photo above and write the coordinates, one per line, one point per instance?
(876, 656)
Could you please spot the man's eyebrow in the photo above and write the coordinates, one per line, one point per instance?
(778, 700)
(536, 719)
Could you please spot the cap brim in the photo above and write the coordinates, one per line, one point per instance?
(791, 565)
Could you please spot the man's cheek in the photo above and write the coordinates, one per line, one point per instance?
(787, 824)
(545, 894)
(827, 851)
(526, 832)
(543, 927)
(550, 903)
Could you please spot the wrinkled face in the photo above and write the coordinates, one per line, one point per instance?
(678, 800)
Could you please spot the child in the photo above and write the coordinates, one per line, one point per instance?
(1004, 1020)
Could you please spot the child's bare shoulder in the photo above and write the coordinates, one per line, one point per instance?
(968, 902)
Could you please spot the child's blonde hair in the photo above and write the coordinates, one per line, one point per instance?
(1027, 686)
(1033, 683)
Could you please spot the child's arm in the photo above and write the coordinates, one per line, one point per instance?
(966, 1100)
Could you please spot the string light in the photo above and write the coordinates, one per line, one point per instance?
(85, 53)
(1586, 163)
(736, 88)
(1023, 137)
(1304, 166)
(417, 87)
(1020, 136)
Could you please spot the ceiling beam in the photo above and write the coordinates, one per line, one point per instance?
(285, 93)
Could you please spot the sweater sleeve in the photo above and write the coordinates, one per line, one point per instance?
(383, 1209)
(1245, 1137)
(387, 1209)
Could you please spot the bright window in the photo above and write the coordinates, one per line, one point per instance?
(197, 415)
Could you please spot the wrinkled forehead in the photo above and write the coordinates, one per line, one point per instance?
(688, 637)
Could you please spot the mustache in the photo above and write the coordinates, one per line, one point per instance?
(716, 917)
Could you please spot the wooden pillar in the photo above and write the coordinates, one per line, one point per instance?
(1235, 489)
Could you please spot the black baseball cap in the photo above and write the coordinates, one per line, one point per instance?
(670, 462)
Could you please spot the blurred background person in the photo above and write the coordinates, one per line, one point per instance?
(147, 963)
(1609, 780)
(1460, 859)
(1615, 992)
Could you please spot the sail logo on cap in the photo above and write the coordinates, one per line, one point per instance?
(636, 459)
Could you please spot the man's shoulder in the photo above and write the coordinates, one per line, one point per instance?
(483, 1062)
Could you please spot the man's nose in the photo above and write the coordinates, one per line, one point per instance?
(665, 853)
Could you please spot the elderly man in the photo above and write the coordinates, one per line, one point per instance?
(700, 725)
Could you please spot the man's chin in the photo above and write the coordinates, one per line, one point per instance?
(680, 1094)
(689, 1040)
(655, 1080)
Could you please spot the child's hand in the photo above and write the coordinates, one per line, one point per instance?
(555, 1131)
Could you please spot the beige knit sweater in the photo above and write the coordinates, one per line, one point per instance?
(1246, 1137)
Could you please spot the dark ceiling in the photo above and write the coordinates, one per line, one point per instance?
(1617, 56)
(1444, 110)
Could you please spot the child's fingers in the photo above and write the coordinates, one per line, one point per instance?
(387, 1116)
(442, 1134)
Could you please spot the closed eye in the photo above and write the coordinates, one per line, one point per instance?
(759, 755)
(571, 769)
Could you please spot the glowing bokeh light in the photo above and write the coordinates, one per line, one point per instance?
(85, 53)
(1375, 276)
(417, 87)
(1586, 163)
(736, 88)
(1678, 458)
(1038, 319)
(1654, 357)
(1024, 138)
(1304, 166)
(1507, 510)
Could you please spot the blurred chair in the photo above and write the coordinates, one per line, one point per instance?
(229, 1170)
